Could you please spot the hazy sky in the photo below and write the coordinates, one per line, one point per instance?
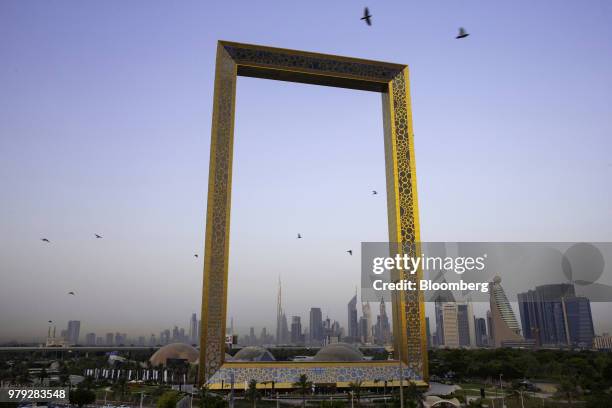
(105, 110)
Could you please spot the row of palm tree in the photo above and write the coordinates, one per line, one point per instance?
(413, 395)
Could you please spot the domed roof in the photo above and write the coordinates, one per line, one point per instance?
(179, 351)
(339, 352)
(253, 353)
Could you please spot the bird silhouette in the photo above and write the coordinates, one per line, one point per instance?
(462, 33)
(367, 16)
(299, 236)
(71, 293)
(98, 236)
(45, 240)
(350, 252)
(195, 255)
(374, 192)
(50, 321)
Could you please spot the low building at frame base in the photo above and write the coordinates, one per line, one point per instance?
(282, 375)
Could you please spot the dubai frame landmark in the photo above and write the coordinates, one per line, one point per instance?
(391, 81)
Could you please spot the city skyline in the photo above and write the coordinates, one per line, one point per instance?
(550, 316)
(478, 310)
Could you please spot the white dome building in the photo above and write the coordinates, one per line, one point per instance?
(175, 351)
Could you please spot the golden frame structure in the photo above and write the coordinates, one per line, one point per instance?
(391, 81)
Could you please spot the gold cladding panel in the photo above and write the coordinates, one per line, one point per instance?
(297, 66)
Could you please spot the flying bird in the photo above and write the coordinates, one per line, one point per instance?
(299, 236)
(367, 16)
(374, 192)
(195, 255)
(98, 236)
(71, 293)
(45, 240)
(462, 33)
(50, 321)
(350, 252)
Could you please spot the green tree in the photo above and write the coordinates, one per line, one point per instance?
(414, 393)
(598, 400)
(304, 386)
(81, 396)
(413, 396)
(251, 394)
(64, 375)
(169, 399)
(356, 390)
(203, 395)
(567, 388)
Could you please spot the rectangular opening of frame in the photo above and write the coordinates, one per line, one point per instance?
(308, 186)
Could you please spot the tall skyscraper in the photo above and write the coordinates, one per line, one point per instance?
(72, 333)
(285, 334)
(441, 297)
(296, 330)
(482, 339)
(450, 325)
(353, 323)
(553, 315)
(382, 329)
(164, 337)
(265, 338)
(463, 324)
(252, 337)
(282, 331)
(363, 329)
(366, 330)
(109, 339)
(579, 321)
(120, 339)
(543, 315)
(315, 326)
(193, 329)
(90, 339)
(505, 326)
(489, 328)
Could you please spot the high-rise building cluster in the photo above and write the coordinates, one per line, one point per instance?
(550, 316)
(553, 315)
(320, 331)
(71, 336)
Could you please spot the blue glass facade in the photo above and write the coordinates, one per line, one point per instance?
(553, 315)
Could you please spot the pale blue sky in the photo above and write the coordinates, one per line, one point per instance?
(105, 113)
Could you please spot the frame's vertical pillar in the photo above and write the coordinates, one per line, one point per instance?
(216, 250)
(408, 307)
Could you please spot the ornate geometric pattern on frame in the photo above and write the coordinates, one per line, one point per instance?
(391, 80)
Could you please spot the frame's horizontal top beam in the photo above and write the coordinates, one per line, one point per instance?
(313, 68)
(391, 65)
(309, 78)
